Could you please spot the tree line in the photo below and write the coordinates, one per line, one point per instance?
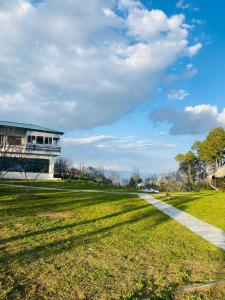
(204, 158)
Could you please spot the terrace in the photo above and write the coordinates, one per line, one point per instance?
(21, 138)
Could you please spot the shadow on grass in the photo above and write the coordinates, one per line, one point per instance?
(68, 226)
(62, 245)
(101, 230)
(55, 202)
(181, 201)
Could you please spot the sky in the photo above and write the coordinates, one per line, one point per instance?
(131, 83)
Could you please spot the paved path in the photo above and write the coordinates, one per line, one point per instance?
(208, 232)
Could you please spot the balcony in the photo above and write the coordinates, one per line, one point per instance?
(31, 149)
(44, 148)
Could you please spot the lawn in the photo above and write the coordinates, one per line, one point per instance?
(73, 245)
(78, 184)
(206, 205)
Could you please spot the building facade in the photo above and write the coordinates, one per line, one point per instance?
(28, 151)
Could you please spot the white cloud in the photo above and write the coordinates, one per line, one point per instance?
(177, 94)
(198, 22)
(190, 71)
(149, 24)
(182, 4)
(88, 140)
(70, 65)
(121, 152)
(193, 50)
(193, 120)
(187, 73)
(129, 143)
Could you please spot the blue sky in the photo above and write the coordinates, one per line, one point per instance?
(131, 83)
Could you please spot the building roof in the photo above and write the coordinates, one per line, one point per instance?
(28, 127)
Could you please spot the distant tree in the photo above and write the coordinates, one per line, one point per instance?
(151, 182)
(205, 158)
(95, 173)
(132, 182)
(212, 149)
(135, 178)
(187, 164)
(172, 182)
(125, 182)
(62, 167)
(200, 164)
(114, 177)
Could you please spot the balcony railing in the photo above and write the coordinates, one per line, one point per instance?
(43, 148)
(30, 148)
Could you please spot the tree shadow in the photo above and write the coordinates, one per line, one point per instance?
(63, 245)
(68, 226)
(59, 201)
(97, 232)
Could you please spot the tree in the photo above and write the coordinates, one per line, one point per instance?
(197, 147)
(187, 164)
(135, 178)
(200, 164)
(62, 166)
(114, 177)
(151, 182)
(205, 158)
(212, 149)
(172, 182)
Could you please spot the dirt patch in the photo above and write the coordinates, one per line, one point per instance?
(55, 214)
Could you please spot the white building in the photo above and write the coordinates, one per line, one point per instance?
(28, 151)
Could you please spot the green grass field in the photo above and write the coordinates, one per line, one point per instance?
(78, 184)
(208, 206)
(73, 245)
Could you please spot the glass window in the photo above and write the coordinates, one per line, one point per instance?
(50, 141)
(29, 139)
(40, 140)
(46, 140)
(18, 164)
(1, 139)
(55, 141)
(33, 138)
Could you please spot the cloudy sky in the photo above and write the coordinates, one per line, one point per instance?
(130, 82)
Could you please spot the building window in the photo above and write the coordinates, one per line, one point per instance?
(18, 164)
(46, 140)
(14, 140)
(1, 140)
(40, 140)
(56, 141)
(29, 139)
(50, 141)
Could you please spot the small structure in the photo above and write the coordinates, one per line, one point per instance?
(220, 173)
(28, 149)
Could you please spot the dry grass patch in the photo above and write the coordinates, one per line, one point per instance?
(55, 214)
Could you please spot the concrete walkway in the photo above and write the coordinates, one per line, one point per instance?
(206, 231)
